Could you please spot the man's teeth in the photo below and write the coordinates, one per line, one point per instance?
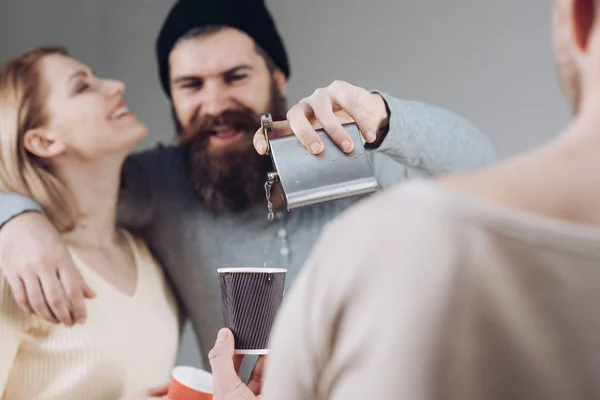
(120, 112)
(226, 132)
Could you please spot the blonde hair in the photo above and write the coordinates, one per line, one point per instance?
(23, 95)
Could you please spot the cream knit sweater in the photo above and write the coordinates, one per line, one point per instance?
(127, 344)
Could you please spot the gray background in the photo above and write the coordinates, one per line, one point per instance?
(489, 60)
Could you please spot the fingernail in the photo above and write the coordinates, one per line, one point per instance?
(81, 321)
(371, 137)
(223, 334)
(261, 147)
(346, 146)
(315, 147)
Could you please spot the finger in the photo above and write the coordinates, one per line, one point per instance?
(343, 117)
(55, 297)
(260, 143)
(255, 380)
(74, 287)
(225, 378)
(37, 299)
(297, 117)
(282, 128)
(158, 390)
(88, 292)
(18, 291)
(323, 110)
(355, 101)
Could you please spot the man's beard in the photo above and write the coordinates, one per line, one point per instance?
(232, 178)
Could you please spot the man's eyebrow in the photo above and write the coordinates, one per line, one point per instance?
(193, 78)
(186, 79)
(238, 68)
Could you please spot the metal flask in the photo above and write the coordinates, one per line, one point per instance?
(307, 179)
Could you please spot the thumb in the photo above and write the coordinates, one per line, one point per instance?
(225, 379)
(88, 292)
(158, 390)
(260, 144)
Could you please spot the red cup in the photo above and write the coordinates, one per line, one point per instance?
(189, 383)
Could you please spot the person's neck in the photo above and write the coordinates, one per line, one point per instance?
(95, 190)
(558, 180)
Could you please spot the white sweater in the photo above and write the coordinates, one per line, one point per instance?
(127, 344)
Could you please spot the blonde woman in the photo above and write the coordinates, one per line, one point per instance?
(64, 135)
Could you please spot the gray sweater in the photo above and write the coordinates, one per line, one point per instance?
(160, 205)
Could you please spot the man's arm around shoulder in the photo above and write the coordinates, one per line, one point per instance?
(41, 272)
(13, 205)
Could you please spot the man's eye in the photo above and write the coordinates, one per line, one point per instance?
(191, 85)
(236, 77)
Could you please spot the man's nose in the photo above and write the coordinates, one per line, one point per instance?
(216, 100)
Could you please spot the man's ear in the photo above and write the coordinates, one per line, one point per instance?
(41, 144)
(584, 14)
(280, 80)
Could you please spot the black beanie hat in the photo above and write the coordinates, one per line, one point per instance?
(249, 16)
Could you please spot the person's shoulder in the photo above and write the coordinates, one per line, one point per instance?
(394, 247)
(402, 228)
(163, 164)
(161, 155)
(408, 207)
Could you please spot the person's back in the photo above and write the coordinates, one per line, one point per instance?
(473, 301)
(476, 286)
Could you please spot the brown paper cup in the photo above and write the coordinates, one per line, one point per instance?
(251, 298)
(189, 383)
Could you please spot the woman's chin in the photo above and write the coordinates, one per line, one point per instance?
(143, 131)
(135, 134)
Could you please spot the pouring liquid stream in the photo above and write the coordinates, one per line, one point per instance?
(268, 186)
(270, 215)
